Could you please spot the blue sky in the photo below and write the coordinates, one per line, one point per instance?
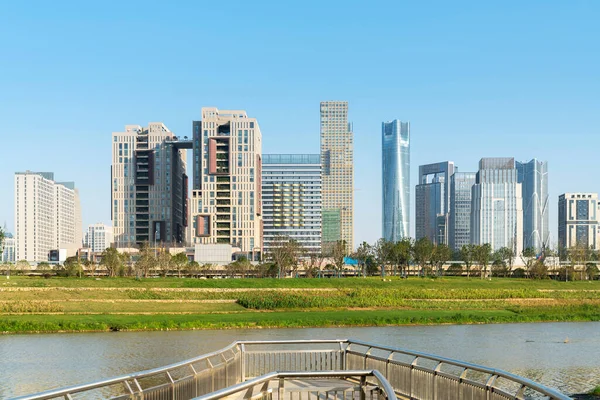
(475, 79)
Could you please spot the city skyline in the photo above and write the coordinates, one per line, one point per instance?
(472, 89)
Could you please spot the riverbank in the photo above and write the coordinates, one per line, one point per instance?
(79, 305)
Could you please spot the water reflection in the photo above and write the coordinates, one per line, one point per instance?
(31, 363)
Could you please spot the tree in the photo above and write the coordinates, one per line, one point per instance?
(467, 255)
(44, 268)
(338, 253)
(180, 260)
(206, 268)
(382, 251)
(579, 256)
(23, 266)
(280, 254)
(295, 252)
(403, 253)
(242, 266)
(483, 253)
(164, 262)
(112, 261)
(422, 253)
(315, 261)
(2, 238)
(591, 270)
(503, 257)
(194, 269)
(360, 255)
(441, 254)
(528, 258)
(146, 261)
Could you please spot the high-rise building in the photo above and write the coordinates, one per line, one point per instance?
(395, 145)
(337, 161)
(432, 196)
(98, 237)
(226, 197)
(291, 195)
(148, 186)
(497, 205)
(459, 220)
(578, 220)
(47, 216)
(534, 177)
(8, 249)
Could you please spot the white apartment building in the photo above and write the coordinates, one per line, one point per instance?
(149, 186)
(98, 237)
(337, 161)
(579, 220)
(7, 252)
(47, 216)
(226, 196)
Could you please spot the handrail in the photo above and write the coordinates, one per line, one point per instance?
(386, 387)
(241, 346)
(50, 394)
(475, 367)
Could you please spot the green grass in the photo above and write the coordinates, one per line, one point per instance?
(72, 304)
(595, 391)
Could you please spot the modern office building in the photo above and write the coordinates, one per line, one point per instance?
(337, 161)
(459, 220)
(98, 237)
(432, 196)
(578, 220)
(226, 197)
(533, 175)
(148, 186)
(8, 249)
(497, 205)
(291, 195)
(395, 166)
(47, 216)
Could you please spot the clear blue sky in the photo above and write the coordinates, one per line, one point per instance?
(475, 79)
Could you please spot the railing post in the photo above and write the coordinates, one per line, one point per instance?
(412, 376)
(281, 390)
(363, 387)
(342, 357)
(366, 356)
(243, 357)
(172, 385)
(435, 380)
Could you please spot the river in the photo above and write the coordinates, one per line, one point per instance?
(31, 363)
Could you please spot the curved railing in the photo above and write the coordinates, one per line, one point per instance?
(411, 374)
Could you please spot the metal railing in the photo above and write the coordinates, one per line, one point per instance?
(261, 387)
(411, 374)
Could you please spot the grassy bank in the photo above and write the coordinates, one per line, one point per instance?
(71, 304)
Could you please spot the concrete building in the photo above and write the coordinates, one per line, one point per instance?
(533, 175)
(148, 186)
(291, 195)
(459, 219)
(47, 216)
(432, 196)
(497, 205)
(8, 250)
(226, 198)
(578, 220)
(395, 172)
(337, 161)
(98, 237)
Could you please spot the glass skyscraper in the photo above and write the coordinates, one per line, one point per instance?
(534, 177)
(395, 140)
(432, 196)
(497, 205)
(459, 224)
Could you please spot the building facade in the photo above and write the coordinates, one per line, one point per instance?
(337, 161)
(533, 175)
(98, 237)
(497, 205)
(459, 219)
(432, 196)
(578, 220)
(8, 250)
(148, 186)
(226, 205)
(291, 195)
(47, 216)
(395, 145)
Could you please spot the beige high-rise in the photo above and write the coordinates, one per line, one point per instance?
(226, 197)
(337, 161)
(47, 216)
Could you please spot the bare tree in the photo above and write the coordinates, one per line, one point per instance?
(441, 254)
(164, 262)
(315, 261)
(338, 253)
(467, 255)
(146, 261)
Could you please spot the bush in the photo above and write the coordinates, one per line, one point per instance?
(518, 273)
